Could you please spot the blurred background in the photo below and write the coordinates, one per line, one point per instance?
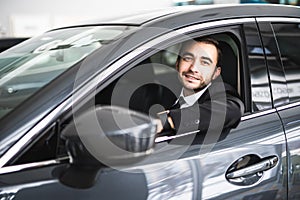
(23, 19)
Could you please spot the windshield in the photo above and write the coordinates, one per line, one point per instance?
(27, 67)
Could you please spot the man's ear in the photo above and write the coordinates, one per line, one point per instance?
(177, 65)
(217, 72)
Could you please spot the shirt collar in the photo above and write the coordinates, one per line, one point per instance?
(192, 99)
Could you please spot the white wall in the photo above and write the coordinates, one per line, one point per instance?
(30, 17)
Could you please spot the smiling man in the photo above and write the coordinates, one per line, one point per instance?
(205, 100)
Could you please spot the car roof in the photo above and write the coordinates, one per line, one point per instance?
(197, 13)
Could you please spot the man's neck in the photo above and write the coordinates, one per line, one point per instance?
(192, 98)
(188, 92)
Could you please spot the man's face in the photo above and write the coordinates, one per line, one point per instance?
(197, 66)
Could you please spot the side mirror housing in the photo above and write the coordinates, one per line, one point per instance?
(106, 136)
(112, 135)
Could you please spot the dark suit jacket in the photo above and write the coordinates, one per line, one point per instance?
(218, 108)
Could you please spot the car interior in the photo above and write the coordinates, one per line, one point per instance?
(152, 85)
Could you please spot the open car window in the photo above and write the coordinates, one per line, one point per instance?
(152, 85)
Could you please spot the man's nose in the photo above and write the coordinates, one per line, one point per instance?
(195, 66)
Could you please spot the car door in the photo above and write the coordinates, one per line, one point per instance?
(245, 163)
(287, 35)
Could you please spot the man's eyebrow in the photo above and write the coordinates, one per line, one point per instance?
(186, 53)
(207, 58)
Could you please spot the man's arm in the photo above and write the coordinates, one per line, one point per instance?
(216, 113)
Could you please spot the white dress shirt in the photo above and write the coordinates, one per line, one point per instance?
(191, 99)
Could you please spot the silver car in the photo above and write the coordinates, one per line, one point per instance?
(71, 129)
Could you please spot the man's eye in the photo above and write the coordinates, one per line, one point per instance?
(205, 63)
(187, 58)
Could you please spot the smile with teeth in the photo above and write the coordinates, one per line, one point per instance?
(191, 77)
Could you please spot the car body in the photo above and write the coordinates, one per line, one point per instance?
(54, 86)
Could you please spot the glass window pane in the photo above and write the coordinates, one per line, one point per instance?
(288, 38)
(277, 79)
(260, 90)
(29, 66)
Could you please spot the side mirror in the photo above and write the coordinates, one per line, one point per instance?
(106, 136)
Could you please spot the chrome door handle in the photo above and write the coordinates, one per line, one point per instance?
(261, 166)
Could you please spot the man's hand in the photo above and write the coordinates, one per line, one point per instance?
(159, 125)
